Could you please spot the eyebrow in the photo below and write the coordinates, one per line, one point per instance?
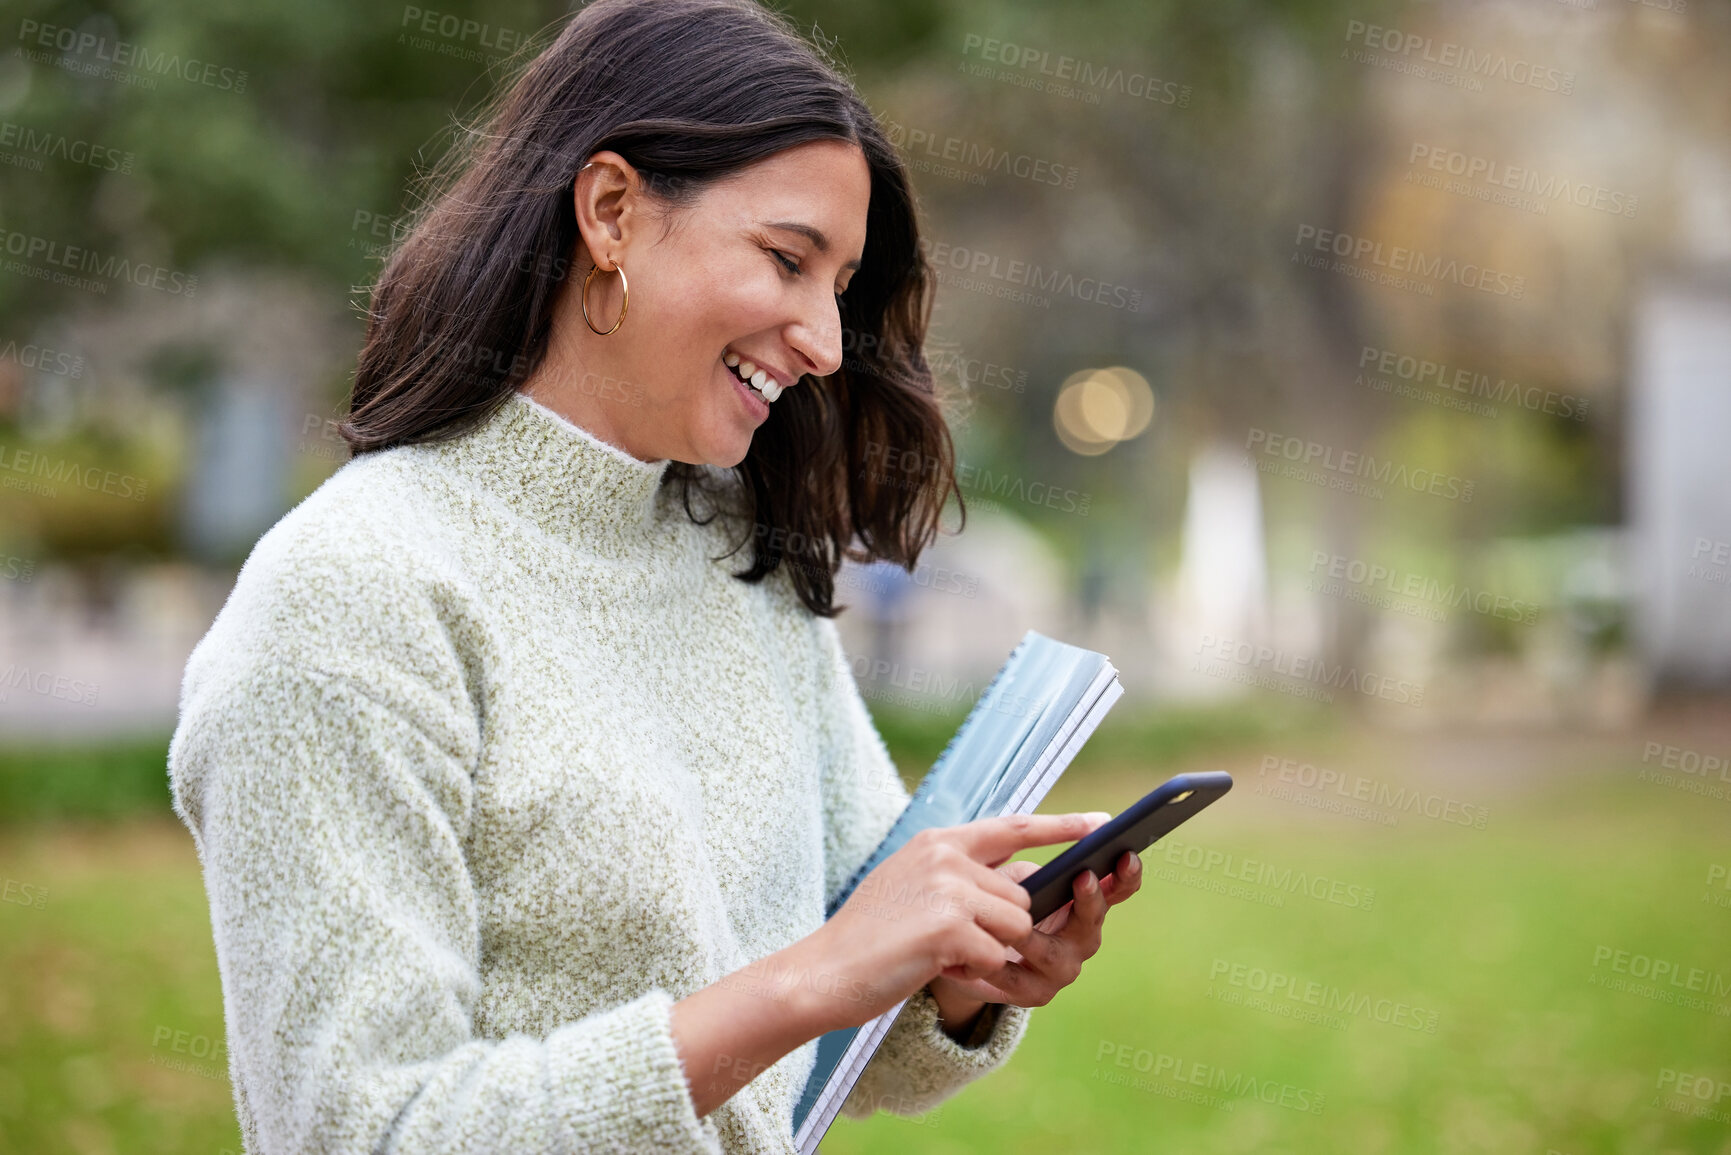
(809, 232)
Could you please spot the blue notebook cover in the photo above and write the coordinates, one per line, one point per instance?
(1032, 703)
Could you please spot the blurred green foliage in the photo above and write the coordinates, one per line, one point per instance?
(1158, 737)
(322, 110)
(123, 779)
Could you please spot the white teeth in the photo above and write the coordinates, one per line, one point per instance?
(768, 390)
(767, 387)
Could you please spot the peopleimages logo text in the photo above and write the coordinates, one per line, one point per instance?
(1359, 788)
(44, 253)
(1303, 668)
(1235, 1085)
(1103, 77)
(36, 143)
(43, 359)
(933, 145)
(1332, 999)
(1405, 584)
(1697, 980)
(1545, 187)
(1441, 376)
(94, 478)
(1259, 872)
(47, 684)
(1448, 54)
(125, 54)
(1352, 464)
(450, 26)
(1400, 259)
(977, 263)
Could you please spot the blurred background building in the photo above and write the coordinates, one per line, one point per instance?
(1220, 308)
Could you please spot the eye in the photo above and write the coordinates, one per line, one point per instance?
(791, 266)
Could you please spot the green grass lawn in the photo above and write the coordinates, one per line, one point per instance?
(110, 987)
(1434, 984)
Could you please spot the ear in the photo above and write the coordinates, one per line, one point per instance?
(607, 196)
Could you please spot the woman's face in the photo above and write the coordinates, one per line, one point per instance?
(750, 270)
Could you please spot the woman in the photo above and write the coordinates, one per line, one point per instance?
(518, 810)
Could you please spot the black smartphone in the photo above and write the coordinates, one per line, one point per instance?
(1137, 827)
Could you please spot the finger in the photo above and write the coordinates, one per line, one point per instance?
(1022, 870)
(1052, 965)
(1004, 920)
(1012, 983)
(1052, 957)
(1056, 921)
(1124, 881)
(1000, 885)
(1045, 954)
(980, 955)
(993, 840)
(1089, 908)
(984, 988)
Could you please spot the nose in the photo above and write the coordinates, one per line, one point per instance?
(818, 338)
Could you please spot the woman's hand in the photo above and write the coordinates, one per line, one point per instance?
(938, 908)
(1051, 957)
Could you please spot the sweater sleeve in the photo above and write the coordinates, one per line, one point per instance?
(329, 800)
(917, 1066)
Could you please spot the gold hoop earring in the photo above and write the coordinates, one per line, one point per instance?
(624, 304)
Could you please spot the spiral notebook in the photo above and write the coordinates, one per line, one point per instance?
(1041, 705)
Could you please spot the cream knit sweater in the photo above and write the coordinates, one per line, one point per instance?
(487, 764)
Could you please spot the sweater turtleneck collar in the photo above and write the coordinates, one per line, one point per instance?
(558, 474)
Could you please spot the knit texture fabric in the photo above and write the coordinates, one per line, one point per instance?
(487, 764)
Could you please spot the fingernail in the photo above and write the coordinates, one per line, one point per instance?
(1135, 861)
(1087, 880)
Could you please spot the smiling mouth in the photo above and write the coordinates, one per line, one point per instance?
(755, 379)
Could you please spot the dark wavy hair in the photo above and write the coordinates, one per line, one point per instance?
(688, 91)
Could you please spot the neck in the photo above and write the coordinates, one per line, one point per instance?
(578, 385)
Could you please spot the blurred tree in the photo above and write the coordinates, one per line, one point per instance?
(295, 143)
